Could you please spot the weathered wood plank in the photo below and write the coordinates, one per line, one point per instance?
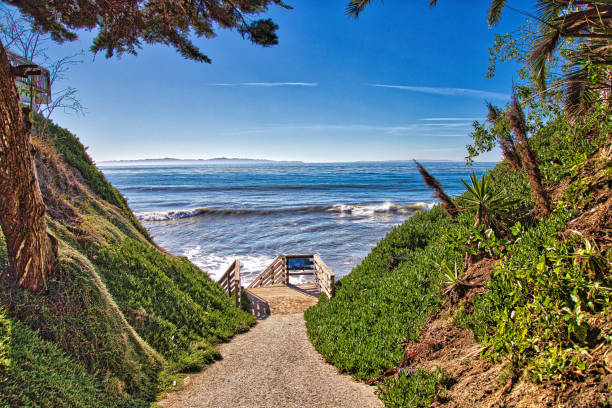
(230, 280)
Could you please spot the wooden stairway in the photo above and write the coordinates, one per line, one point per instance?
(271, 292)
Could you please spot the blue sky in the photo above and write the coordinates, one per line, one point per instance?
(404, 81)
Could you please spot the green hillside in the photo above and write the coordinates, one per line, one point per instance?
(121, 318)
(547, 306)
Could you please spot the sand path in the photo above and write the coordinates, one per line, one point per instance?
(272, 365)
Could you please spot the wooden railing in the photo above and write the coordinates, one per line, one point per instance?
(230, 281)
(274, 274)
(323, 276)
(280, 270)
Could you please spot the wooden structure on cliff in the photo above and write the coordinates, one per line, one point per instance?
(33, 81)
(272, 292)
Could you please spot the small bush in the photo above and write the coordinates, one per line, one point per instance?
(415, 389)
(539, 302)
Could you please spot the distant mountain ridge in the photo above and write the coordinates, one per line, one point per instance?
(170, 160)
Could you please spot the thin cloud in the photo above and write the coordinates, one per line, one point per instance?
(444, 135)
(469, 93)
(451, 119)
(269, 84)
(415, 130)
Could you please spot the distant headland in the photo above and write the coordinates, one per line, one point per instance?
(174, 161)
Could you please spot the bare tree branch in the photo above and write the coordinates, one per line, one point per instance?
(19, 35)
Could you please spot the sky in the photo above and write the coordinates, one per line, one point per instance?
(403, 81)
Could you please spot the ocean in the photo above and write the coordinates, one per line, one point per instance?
(215, 213)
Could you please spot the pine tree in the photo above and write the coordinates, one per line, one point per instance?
(123, 27)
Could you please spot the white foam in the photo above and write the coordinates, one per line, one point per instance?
(371, 210)
(216, 265)
(250, 265)
(359, 210)
(167, 215)
(425, 206)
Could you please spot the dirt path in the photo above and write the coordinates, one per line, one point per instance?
(273, 365)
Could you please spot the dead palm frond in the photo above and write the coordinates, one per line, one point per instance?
(586, 28)
(498, 122)
(495, 10)
(493, 113)
(509, 151)
(355, 7)
(447, 203)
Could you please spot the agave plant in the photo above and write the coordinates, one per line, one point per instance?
(451, 277)
(480, 196)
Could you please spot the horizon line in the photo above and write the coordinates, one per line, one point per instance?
(271, 161)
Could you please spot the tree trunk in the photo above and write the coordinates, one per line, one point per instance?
(528, 159)
(530, 165)
(32, 250)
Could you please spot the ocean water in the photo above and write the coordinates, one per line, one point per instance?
(215, 213)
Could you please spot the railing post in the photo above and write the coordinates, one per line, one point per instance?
(229, 284)
(286, 270)
(237, 281)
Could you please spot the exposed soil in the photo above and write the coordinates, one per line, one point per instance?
(474, 380)
(478, 382)
(596, 222)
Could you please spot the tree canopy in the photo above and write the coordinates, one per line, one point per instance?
(124, 25)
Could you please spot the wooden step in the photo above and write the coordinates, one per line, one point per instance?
(282, 299)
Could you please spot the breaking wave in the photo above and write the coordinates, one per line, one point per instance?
(360, 210)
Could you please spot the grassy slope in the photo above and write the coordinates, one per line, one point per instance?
(39, 362)
(386, 300)
(121, 317)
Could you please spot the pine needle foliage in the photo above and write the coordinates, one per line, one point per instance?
(124, 25)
